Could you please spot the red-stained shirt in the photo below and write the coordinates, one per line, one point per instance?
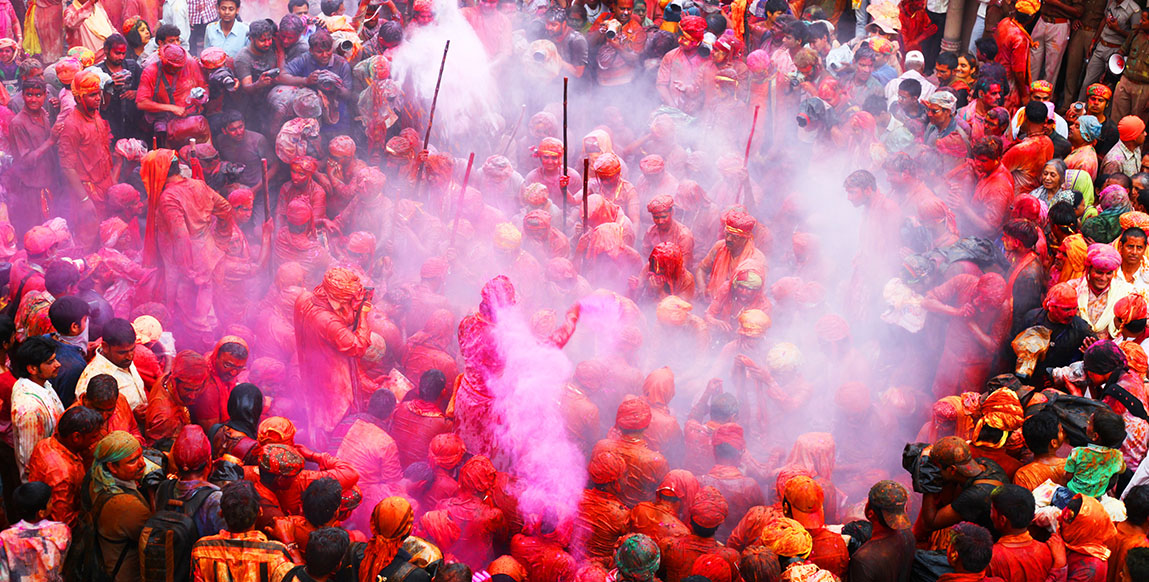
(1020, 558)
(1127, 538)
(601, 521)
(829, 552)
(172, 89)
(1085, 568)
(84, 147)
(52, 463)
(741, 493)
(679, 554)
(644, 468)
(992, 198)
(1025, 159)
(413, 426)
(1013, 51)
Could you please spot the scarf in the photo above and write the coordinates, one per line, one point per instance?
(391, 524)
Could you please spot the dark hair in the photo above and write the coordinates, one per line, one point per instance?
(453, 572)
(797, 29)
(1039, 430)
(861, 179)
(1023, 230)
(774, 6)
(901, 163)
(320, 39)
(381, 404)
(859, 532)
(102, 388)
(218, 2)
(326, 548)
(702, 532)
(724, 407)
(33, 84)
(987, 47)
(228, 117)
(321, 500)
(1132, 232)
(875, 105)
(989, 147)
(114, 41)
(166, 32)
(29, 499)
(1015, 503)
(865, 52)
(819, 29)
(1137, 504)
(66, 311)
(78, 420)
(292, 4)
(239, 505)
(330, 7)
(1036, 112)
(33, 352)
(1062, 214)
(911, 86)
(259, 28)
(235, 349)
(1110, 428)
(726, 451)
(118, 332)
(947, 59)
(431, 385)
(974, 546)
(759, 565)
(1121, 180)
(420, 472)
(1137, 562)
(7, 329)
(59, 275)
(292, 23)
(133, 36)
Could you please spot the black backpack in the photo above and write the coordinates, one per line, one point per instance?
(168, 535)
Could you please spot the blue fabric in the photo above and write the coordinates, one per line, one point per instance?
(72, 364)
(231, 43)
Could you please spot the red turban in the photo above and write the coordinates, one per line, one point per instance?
(660, 203)
(191, 449)
(190, 368)
(731, 434)
(713, 567)
(173, 55)
(121, 195)
(1061, 295)
(399, 146)
(739, 222)
(667, 258)
(551, 146)
(85, 83)
(340, 285)
(652, 164)
(1135, 357)
(239, 197)
(213, 58)
(633, 414)
(341, 146)
(306, 164)
(446, 450)
(39, 239)
(477, 475)
(693, 26)
(1130, 128)
(605, 468)
(361, 243)
(607, 165)
(439, 526)
(67, 69)
(1131, 307)
(590, 374)
(434, 268)
(709, 508)
(276, 430)
(832, 328)
(298, 212)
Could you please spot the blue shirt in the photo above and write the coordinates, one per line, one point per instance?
(231, 43)
(304, 65)
(72, 363)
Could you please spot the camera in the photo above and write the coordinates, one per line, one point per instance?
(345, 46)
(273, 73)
(707, 44)
(231, 171)
(811, 113)
(611, 27)
(224, 79)
(796, 78)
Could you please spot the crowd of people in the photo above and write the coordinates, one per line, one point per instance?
(605, 291)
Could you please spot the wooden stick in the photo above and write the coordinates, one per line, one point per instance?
(746, 158)
(431, 117)
(585, 188)
(565, 175)
(462, 193)
(266, 196)
(515, 130)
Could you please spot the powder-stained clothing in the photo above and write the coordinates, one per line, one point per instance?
(373, 454)
(63, 471)
(991, 200)
(1091, 468)
(35, 411)
(581, 417)
(121, 519)
(679, 554)
(1031, 476)
(414, 424)
(290, 500)
(1085, 568)
(35, 551)
(1020, 558)
(1025, 159)
(601, 521)
(656, 521)
(889, 559)
(686, 81)
(479, 524)
(128, 379)
(644, 468)
(326, 347)
(741, 493)
(165, 414)
(241, 557)
(829, 552)
(84, 147)
(1127, 538)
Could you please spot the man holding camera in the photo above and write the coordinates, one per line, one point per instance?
(257, 67)
(326, 72)
(119, 106)
(619, 40)
(165, 90)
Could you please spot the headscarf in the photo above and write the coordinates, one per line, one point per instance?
(729, 434)
(1089, 127)
(787, 538)
(1102, 257)
(244, 407)
(477, 475)
(276, 430)
(191, 449)
(637, 557)
(1075, 250)
(633, 414)
(1001, 410)
(446, 451)
(115, 447)
(710, 508)
(1090, 530)
(391, 522)
(154, 173)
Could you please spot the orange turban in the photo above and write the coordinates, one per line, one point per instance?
(673, 311)
(276, 430)
(1061, 295)
(1130, 128)
(605, 468)
(787, 538)
(391, 522)
(607, 165)
(361, 243)
(1001, 410)
(1131, 307)
(550, 146)
(1028, 7)
(739, 222)
(1135, 357)
(633, 414)
(753, 323)
(1134, 219)
(85, 83)
(508, 566)
(446, 451)
(340, 285)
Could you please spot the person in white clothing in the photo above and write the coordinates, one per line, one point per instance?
(35, 405)
(115, 357)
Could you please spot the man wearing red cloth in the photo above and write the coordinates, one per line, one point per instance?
(302, 186)
(686, 77)
(579, 411)
(103, 396)
(165, 86)
(1016, 555)
(542, 240)
(735, 251)
(667, 229)
(985, 214)
(332, 335)
(664, 435)
(480, 523)
(659, 518)
(978, 308)
(418, 420)
(282, 479)
(550, 173)
(431, 348)
(665, 274)
(225, 362)
(609, 184)
(85, 157)
(1027, 156)
(707, 513)
(365, 445)
(741, 492)
(1013, 45)
(444, 455)
(58, 461)
(645, 468)
(602, 517)
(173, 393)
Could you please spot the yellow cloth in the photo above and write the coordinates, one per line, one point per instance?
(31, 39)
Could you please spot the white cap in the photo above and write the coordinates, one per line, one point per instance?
(915, 57)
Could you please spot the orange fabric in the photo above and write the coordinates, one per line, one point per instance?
(1089, 530)
(52, 463)
(154, 168)
(391, 522)
(601, 521)
(1126, 538)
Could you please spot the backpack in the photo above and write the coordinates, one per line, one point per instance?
(168, 535)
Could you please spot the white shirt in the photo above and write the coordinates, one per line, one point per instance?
(928, 88)
(129, 380)
(35, 411)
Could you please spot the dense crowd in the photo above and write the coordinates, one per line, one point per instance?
(607, 291)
